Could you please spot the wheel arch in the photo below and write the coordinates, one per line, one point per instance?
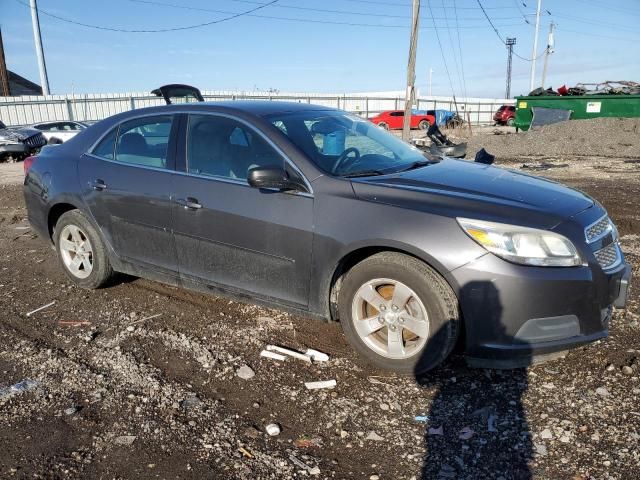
(55, 212)
(359, 253)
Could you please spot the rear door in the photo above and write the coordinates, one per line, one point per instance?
(127, 180)
(229, 234)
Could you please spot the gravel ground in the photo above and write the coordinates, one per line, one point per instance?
(117, 394)
(602, 137)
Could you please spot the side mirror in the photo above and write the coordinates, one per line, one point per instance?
(271, 177)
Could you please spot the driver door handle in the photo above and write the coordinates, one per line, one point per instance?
(189, 203)
(98, 185)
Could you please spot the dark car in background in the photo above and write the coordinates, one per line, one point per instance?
(321, 213)
(19, 142)
(505, 115)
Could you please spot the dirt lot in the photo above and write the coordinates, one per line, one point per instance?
(121, 395)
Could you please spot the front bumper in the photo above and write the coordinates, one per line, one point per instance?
(518, 315)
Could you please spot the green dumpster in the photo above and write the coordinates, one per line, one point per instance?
(582, 107)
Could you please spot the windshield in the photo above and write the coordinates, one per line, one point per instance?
(347, 145)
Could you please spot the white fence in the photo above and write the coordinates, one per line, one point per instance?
(27, 110)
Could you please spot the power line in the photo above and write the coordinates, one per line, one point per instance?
(309, 9)
(464, 79)
(173, 29)
(453, 49)
(444, 60)
(502, 39)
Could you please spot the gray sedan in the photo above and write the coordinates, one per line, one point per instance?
(321, 213)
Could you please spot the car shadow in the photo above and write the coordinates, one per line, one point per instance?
(476, 426)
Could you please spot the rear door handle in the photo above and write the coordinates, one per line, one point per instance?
(189, 203)
(98, 184)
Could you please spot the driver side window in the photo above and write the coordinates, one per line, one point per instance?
(223, 147)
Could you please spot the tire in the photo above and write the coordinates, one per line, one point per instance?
(423, 125)
(383, 125)
(511, 122)
(427, 292)
(76, 238)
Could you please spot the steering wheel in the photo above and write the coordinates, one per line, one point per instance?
(342, 159)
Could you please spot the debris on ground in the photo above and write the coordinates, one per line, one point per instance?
(320, 384)
(273, 355)
(50, 304)
(289, 352)
(272, 429)
(18, 388)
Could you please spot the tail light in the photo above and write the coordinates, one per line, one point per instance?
(28, 162)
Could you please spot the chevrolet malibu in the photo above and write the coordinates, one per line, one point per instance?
(321, 213)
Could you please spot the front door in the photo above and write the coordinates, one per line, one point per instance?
(127, 181)
(229, 234)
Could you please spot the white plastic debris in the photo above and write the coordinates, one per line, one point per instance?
(41, 308)
(316, 356)
(291, 353)
(321, 384)
(18, 388)
(273, 429)
(273, 355)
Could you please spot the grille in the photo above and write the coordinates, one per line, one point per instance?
(36, 141)
(598, 229)
(608, 256)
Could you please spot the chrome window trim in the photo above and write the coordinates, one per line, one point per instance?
(215, 178)
(253, 129)
(602, 235)
(192, 112)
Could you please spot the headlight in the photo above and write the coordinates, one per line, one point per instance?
(527, 246)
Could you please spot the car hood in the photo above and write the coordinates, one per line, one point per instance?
(17, 134)
(462, 188)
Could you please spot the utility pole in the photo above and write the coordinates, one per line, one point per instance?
(430, 81)
(411, 71)
(535, 47)
(44, 80)
(4, 76)
(509, 43)
(548, 52)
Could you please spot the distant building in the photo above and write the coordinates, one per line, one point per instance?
(19, 85)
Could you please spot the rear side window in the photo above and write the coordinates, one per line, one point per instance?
(106, 147)
(144, 141)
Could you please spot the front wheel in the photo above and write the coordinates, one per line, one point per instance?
(511, 122)
(398, 313)
(383, 125)
(423, 125)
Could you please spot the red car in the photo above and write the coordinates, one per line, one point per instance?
(393, 119)
(505, 115)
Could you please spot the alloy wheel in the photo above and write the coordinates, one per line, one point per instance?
(390, 318)
(76, 251)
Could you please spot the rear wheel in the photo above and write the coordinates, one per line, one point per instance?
(81, 251)
(511, 122)
(398, 313)
(423, 125)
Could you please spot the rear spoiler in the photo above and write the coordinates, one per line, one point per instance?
(176, 90)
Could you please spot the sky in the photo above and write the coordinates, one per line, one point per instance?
(332, 46)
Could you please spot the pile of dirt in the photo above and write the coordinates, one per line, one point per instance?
(599, 137)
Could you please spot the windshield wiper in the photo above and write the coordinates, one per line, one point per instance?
(414, 165)
(364, 173)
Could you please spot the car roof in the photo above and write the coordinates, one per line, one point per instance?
(255, 107)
